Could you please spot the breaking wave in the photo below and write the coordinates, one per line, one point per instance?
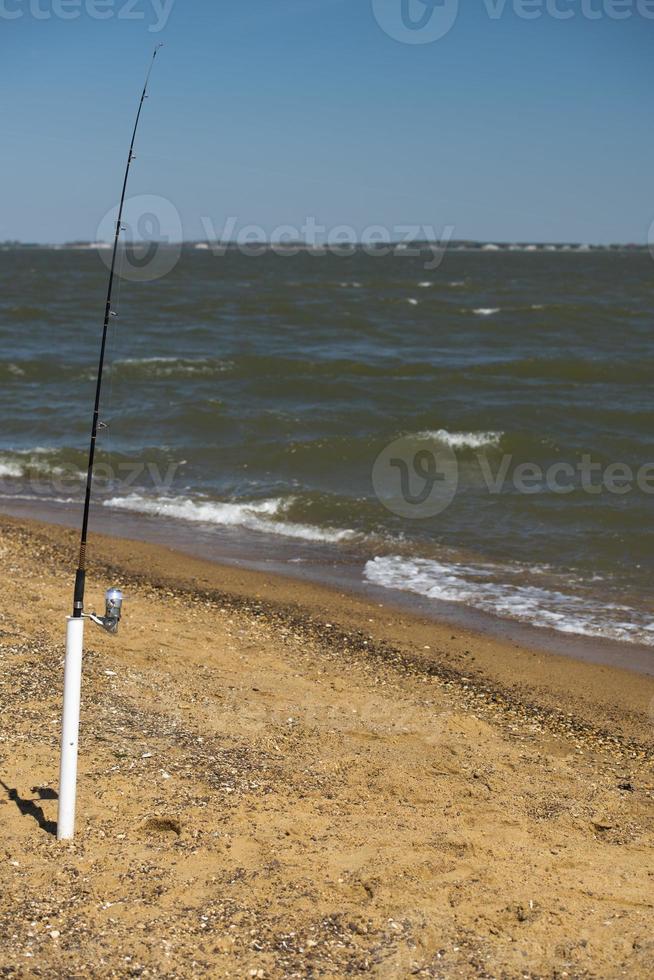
(464, 440)
(261, 515)
(505, 591)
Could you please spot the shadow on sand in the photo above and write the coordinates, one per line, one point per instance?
(30, 808)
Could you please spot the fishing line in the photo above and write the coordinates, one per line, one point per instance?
(109, 421)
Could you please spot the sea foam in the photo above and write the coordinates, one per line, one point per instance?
(261, 515)
(501, 591)
(463, 440)
(172, 367)
(17, 463)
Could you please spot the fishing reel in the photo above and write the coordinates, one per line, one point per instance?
(113, 605)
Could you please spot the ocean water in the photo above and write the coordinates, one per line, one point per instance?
(249, 398)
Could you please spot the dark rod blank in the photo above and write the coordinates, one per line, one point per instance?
(80, 576)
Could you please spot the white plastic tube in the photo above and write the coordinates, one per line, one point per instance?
(70, 728)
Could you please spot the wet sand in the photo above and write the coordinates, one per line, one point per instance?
(279, 779)
(328, 566)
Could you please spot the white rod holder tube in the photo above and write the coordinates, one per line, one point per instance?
(70, 728)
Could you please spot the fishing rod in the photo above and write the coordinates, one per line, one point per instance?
(113, 597)
(80, 576)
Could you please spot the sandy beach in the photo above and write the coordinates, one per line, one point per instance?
(280, 780)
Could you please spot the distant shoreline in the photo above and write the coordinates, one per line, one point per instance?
(548, 248)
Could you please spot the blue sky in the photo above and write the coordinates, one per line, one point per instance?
(274, 111)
